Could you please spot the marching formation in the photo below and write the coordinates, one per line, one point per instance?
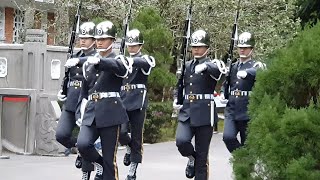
(105, 94)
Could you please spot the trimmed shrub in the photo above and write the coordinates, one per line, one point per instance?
(159, 125)
(283, 134)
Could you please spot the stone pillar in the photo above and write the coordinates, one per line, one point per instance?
(34, 57)
(44, 21)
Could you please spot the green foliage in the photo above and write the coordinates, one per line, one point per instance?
(158, 41)
(273, 22)
(282, 143)
(308, 11)
(285, 117)
(159, 125)
(293, 72)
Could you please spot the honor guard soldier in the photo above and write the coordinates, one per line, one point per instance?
(242, 79)
(67, 121)
(197, 114)
(134, 96)
(104, 111)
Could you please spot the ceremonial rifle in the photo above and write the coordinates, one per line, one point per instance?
(75, 26)
(183, 54)
(125, 30)
(229, 56)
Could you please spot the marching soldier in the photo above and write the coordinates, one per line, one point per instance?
(197, 114)
(104, 111)
(133, 94)
(242, 78)
(67, 121)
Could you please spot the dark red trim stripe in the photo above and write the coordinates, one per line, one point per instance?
(15, 99)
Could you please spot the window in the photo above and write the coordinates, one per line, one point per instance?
(2, 24)
(18, 26)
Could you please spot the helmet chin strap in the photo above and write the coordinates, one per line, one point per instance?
(246, 56)
(86, 48)
(104, 50)
(205, 53)
(135, 53)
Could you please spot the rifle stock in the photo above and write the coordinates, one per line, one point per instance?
(183, 54)
(70, 49)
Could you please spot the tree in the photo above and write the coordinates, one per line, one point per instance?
(158, 41)
(272, 22)
(285, 118)
(308, 11)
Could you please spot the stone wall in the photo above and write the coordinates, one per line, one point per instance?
(34, 70)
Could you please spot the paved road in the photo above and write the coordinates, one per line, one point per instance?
(161, 161)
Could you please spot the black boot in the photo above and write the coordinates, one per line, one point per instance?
(99, 172)
(85, 175)
(132, 171)
(131, 177)
(190, 170)
(126, 158)
(78, 162)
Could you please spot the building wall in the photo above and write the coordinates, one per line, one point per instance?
(9, 20)
(9, 24)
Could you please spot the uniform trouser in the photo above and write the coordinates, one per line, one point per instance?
(65, 127)
(109, 142)
(231, 129)
(200, 151)
(136, 120)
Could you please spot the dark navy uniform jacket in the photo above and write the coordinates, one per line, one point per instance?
(75, 83)
(133, 94)
(240, 89)
(196, 108)
(104, 77)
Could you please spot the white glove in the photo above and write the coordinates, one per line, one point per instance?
(93, 60)
(72, 62)
(61, 97)
(241, 74)
(223, 100)
(176, 106)
(79, 122)
(82, 109)
(200, 67)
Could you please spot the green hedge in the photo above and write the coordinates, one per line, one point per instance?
(159, 125)
(283, 134)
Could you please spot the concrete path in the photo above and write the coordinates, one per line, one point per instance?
(161, 161)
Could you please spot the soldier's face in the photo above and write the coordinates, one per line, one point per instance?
(245, 52)
(199, 51)
(86, 42)
(104, 43)
(133, 49)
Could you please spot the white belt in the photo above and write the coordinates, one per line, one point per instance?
(128, 87)
(75, 83)
(100, 95)
(240, 93)
(199, 96)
